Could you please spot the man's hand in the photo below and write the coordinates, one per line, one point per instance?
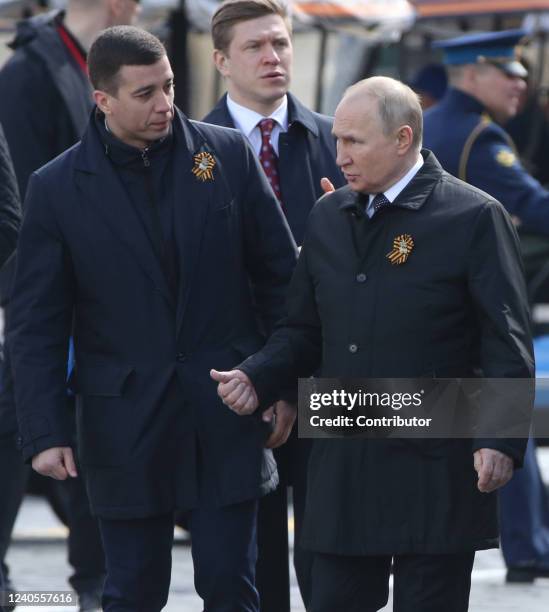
(326, 185)
(57, 462)
(494, 469)
(236, 391)
(285, 414)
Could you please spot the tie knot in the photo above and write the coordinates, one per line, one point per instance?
(266, 127)
(379, 201)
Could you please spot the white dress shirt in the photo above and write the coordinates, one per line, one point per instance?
(246, 121)
(392, 193)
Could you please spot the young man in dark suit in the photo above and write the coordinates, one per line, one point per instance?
(156, 242)
(253, 52)
(406, 272)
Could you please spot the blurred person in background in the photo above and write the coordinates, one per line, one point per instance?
(529, 129)
(44, 110)
(487, 80)
(430, 83)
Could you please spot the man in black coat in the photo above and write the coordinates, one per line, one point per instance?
(253, 52)
(45, 113)
(159, 245)
(405, 273)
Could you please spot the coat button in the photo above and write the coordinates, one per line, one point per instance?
(353, 348)
(180, 357)
(360, 278)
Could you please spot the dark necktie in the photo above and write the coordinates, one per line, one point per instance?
(379, 201)
(267, 156)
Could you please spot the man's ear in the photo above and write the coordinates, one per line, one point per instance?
(404, 138)
(103, 101)
(220, 59)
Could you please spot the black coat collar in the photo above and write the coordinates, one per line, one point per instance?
(413, 196)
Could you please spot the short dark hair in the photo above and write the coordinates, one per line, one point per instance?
(232, 12)
(121, 46)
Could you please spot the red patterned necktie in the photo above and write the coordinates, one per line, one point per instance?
(267, 156)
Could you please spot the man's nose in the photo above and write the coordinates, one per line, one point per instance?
(271, 56)
(342, 157)
(163, 103)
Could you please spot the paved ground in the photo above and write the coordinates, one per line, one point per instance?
(37, 560)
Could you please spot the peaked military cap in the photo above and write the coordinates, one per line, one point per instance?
(497, 48)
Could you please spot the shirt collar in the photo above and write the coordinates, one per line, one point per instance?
(246, 119)
(394, 191)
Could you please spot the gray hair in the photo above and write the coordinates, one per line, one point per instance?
(397, 105)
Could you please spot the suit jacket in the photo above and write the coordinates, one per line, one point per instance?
(456, 306)
(306, 154)
(149, 419)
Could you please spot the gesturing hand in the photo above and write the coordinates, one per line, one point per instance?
(494, 469)
(236, 391)
(326, 185)
(57, 462)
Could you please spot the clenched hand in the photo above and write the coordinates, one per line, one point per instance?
(236, 391)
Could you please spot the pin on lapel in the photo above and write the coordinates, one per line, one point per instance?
(203, 166)
(402, 247)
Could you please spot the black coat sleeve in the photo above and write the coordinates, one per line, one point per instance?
(41, 317)
(10, 206)
(496, 283)
(294, 350)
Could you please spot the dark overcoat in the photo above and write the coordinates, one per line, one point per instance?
(149, 419)
(306, 153)
(456, 306)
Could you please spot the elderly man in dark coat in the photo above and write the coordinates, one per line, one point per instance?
(452, 304)
(158, 243)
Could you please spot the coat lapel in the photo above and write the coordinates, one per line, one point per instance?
(99, 185)
(194, 197)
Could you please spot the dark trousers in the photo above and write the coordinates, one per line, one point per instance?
(524, 516)
(273, 573)
(422, 583)
(84, 542)
(224, 550)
